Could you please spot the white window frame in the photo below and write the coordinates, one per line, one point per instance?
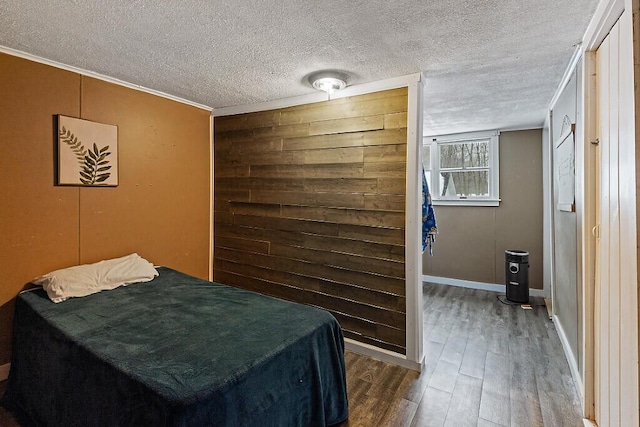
(435, 142)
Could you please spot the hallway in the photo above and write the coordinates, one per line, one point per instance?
(487, 364)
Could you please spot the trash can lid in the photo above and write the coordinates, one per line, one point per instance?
(516, 252)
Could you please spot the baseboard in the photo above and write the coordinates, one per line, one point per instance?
(382, 354)
(571, 359)
(589, 423)
(493, 287)
(4, 371)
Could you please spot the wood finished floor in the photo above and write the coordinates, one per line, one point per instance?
(487, 364)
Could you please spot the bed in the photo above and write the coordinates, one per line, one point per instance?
(176, 351)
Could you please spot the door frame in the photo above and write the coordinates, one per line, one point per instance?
(606, 16)
(571, 72)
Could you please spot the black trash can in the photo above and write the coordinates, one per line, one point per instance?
(517, 275)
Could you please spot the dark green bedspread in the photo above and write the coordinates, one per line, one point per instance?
(177, 351)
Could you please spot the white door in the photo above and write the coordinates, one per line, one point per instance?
(616, 292)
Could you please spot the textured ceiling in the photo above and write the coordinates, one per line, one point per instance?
(488, 63)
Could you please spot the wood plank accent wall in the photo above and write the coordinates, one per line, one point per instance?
(310, 207)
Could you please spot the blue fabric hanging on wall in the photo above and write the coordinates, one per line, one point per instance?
(429, 226)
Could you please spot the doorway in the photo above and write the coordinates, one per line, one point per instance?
(615, 379)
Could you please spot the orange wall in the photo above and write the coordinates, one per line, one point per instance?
(160, 209)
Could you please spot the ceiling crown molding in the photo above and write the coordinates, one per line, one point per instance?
(45, 61)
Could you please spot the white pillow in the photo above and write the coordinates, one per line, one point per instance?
(87, 279)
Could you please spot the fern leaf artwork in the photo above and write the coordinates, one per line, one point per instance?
(95, 166)
(87, 153)
(76, 146)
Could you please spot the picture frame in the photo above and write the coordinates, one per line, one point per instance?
(87, 153)
(564, 165)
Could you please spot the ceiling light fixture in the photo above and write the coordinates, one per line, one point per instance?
(328, 81)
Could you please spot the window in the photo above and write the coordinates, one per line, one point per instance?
(462, 169)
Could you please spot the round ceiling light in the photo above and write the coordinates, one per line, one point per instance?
(328, 81)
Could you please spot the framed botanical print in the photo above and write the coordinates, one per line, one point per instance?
(87, 153)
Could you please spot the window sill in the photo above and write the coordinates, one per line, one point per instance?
(466, 202)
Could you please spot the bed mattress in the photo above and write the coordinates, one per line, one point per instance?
(176, 351)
